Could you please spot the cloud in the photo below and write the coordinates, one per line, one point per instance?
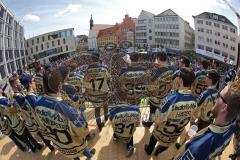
(31, 18)
(71, 8)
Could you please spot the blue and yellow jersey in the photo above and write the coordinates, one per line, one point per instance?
(207, 144)
(65, 125)
(4, 125)
(96, 83)
(206, 103)
(161, 79)
(11, 113)
(125, 118)
(199, 85)
(172, 116)
(131, 85)
(24, 112)
(39, 84)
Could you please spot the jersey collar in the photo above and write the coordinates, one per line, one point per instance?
(54, 97)
(219, 129)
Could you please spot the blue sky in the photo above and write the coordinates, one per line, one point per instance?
(41, 16)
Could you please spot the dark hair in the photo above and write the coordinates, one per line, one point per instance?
(185, 61)
(134, 57)
(205, 64)
(95, 57)
(216, 63)
(232, 98)
(162, 56)
(187, 76)
(213, 75)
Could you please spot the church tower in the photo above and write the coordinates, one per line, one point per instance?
(91, 23)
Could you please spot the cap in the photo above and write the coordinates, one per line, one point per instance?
(26, 79)
(213, 75)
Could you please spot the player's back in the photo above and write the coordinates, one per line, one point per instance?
(174, 114)
(131, 84)
(161, 80)
(199, 85)
(4, 124)
(66, 127)
(125, 118)
(96, 83)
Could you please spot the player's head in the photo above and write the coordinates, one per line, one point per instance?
(186, 77)
(39, 69)
(55, 79)
(15, 83)
(28, 82)
(212, 77)
(95, 57)
(227, 105)
(215, 64)
(204, 65)
(161, 57)
(184, 62)
(134, 57)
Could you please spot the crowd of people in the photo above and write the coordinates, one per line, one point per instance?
(49, 103)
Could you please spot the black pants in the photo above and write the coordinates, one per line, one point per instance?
(151, 145)
(202, 124)
(98, 114)
(129, 144)
(16, 139)
(30, 141)
(46, 142)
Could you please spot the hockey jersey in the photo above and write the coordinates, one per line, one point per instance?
(39, 84)
(125, 118)
(11, 113)
(24, 112)
(172, 116)
(161, 80)
(199, 84)
(96, 83)
(208, 143)
(66, 126)
(206, 103)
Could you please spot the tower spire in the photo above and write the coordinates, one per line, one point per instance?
(91, 23)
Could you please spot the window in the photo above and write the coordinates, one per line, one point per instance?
(209, 31)
(232, 48)
(200, 38)
(232, 57)
(150, 31)
(200, 21)
(2, 71)
(200, 30)
(43, 38)
(47, 44)
(41, 46)
(216, 51)
(224, 27)
(200, 47)
(209, 49)
(208, 23)
(36, 48)
(31, 50)
(1, 56)
(66, 47)
(217, 33)
(27, 44)
(209, 40)
(233, 39)
(58, 42)
(32, 41)
(217, 42)
(37, 40)
(217, 25)
(52, 43)
(150, 37)
(224, 54)
(232, 30)
(64, 41)
(225, 36)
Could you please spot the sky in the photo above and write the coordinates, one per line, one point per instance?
(42, 16)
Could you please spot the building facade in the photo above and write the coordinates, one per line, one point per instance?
(216, 37)
(12, 50)
(173, 32)
(82, 43)
(120, 35)
(144, 29)
(50, 46)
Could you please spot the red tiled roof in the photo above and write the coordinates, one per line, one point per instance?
(97, 27)
(108, 31)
